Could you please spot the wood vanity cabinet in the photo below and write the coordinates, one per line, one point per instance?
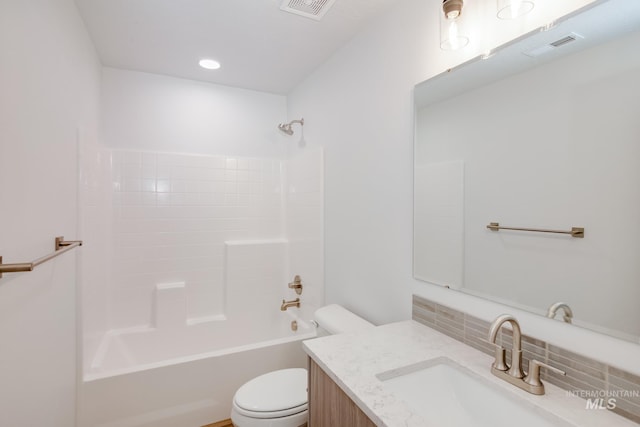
(329, 406)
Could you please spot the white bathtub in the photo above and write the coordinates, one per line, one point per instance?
(184, 377)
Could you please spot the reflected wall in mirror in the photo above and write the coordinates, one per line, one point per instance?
(549, 141)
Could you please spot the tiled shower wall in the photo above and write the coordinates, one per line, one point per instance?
(158, 228)
(172, 214)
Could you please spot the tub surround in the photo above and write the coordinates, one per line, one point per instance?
(354, 360)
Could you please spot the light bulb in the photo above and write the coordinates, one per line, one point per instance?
(453, 35)
(453, 14)
(515, 8)
(452, 8)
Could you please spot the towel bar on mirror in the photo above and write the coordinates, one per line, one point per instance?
(574, 232)
(61, 246)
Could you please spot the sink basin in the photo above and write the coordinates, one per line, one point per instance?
(448, 394)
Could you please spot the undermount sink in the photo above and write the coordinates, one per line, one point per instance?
(448, 394)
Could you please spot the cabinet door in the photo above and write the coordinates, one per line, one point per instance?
(329, 406)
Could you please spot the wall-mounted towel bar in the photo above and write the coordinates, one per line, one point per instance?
(62, 246)
(574, 232)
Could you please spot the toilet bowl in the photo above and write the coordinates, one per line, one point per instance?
(278, 395)
(279, 398)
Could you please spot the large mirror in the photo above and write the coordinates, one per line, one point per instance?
(544, 135)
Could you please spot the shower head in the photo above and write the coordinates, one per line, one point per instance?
(286, 127)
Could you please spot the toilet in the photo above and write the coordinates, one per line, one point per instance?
(279, 398)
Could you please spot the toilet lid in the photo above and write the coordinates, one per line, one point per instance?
(274, 391)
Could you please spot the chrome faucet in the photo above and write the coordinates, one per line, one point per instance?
(553, 309)
(287, 304)
(514, 374)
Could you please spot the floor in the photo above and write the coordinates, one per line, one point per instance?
(223, 423)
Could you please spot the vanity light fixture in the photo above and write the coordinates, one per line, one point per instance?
(512, 9)
(209, 64)
(451, 31)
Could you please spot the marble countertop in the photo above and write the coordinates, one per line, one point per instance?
(354, 360)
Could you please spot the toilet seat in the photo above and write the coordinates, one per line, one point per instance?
(269, 415)
(273, 395)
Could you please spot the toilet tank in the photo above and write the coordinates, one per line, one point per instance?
(335, 319)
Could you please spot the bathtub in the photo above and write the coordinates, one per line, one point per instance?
(184, 377)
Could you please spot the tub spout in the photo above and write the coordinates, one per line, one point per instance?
(287, 304)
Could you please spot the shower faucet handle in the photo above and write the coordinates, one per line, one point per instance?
(296, 285)
(286, 304)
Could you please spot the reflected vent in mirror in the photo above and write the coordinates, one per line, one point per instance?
(570, 38)
(314, 9)
(549, 47)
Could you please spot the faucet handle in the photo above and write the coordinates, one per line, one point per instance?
(533, 377)
(499, 362)
(296, 285)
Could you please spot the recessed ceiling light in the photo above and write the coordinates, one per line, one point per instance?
(209, 64)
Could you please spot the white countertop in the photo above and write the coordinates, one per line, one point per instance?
(354, 360)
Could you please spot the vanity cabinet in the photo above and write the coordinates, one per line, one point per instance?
(329, 406)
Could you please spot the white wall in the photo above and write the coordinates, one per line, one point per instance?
(358, 105)
(151, 112)
(49, 81)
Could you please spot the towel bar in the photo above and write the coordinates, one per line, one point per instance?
(62, 246)
(574, 232)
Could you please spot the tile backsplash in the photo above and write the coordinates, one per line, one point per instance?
(586, 377)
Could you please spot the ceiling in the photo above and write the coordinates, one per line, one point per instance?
(259, 46)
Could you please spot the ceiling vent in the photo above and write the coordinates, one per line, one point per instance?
(562, 41)
(314, 9)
